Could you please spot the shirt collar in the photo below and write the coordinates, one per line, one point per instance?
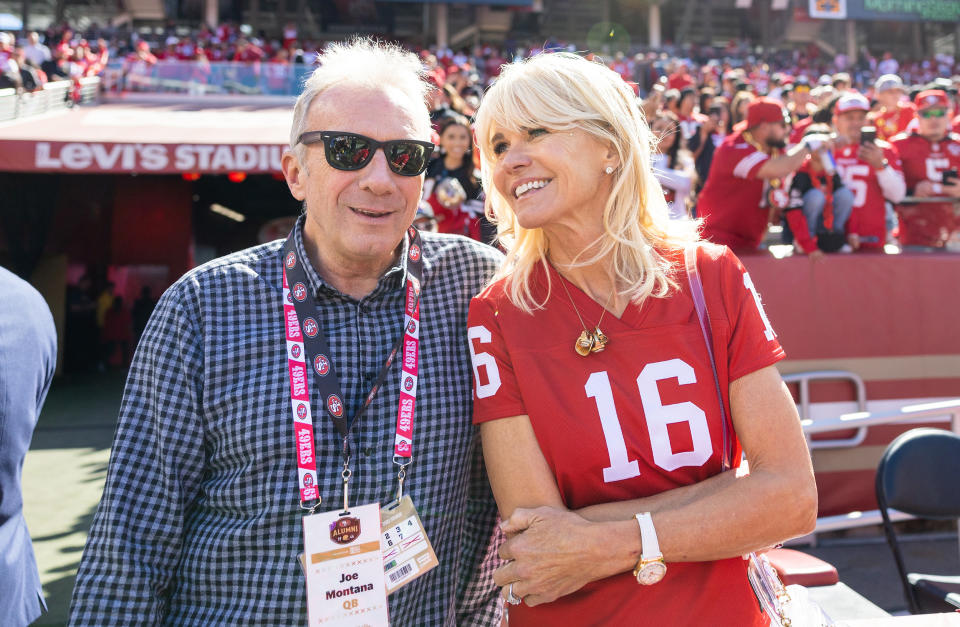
(391, 280)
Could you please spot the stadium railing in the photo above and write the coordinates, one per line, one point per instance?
(199, 78)
(54, 96)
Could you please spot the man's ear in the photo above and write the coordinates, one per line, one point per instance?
(295, 175)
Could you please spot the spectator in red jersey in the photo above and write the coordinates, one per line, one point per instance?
(871, 169)
(456, 208)
(247, 52)
(894, 114)
(573, 471)
(278, 72)
(681, 78)
(138, 66)
(747, 184)
(820, 205)
(926, 155)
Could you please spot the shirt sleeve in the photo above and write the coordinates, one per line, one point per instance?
(496, 393)
(753, 343)
(747, 162)
(478, 597)
(128, 567)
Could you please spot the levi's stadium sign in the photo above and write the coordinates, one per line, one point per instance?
(97, 157)
(144, 138)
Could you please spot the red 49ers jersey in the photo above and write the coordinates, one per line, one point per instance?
(927, 224)
(636, 419)
(869, 206)
(732, 201)
(892, 122)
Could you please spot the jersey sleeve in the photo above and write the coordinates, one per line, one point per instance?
(747, 162)
(892, 155)
(753, 343)
(496, 393)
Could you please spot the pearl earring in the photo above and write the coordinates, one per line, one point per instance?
(609, 170)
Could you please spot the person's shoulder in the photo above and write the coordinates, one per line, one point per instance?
(905, 139)
(450, 252)
(262, 261)
(20, 294)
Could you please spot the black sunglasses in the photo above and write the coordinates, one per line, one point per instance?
(349, 151)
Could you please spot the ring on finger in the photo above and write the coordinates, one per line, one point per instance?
(512, 599)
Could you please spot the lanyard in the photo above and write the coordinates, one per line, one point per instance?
(307, 345)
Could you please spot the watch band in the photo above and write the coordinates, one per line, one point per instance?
(650, 547)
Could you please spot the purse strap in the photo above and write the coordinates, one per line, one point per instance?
(703, 316)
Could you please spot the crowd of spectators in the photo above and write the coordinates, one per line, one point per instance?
(706, 105)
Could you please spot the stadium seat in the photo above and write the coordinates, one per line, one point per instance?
(799, 568)
(918, 475)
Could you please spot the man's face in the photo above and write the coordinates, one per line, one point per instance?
(889, 97)
(848, 125)
(934, 122)
(774, 134)
(358, 216)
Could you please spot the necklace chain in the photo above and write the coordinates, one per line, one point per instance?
(588, 341)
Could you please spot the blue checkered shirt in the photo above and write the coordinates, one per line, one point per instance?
(200, 522)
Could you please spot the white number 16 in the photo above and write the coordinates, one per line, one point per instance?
(658, 416)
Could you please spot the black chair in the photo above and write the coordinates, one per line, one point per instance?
(919, 474)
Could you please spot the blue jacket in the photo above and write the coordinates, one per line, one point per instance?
(28, 357)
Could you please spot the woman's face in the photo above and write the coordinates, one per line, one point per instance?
(551, 178)
(663, 131)
(455, 140)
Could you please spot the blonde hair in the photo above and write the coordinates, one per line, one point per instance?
(561, 92)
(363, 62)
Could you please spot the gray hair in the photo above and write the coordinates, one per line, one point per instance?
(362, 62)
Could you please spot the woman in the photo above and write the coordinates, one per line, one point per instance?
(738, 107)
(672, 163)
(594, 387)
(451, 187)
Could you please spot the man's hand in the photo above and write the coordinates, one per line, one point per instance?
(872, 154)
(854, 240)
(816, 256)
(952, 188)
(552, 553)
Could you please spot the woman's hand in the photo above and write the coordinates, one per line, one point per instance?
(552, 553)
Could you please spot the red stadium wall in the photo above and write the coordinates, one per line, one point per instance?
(892, 319)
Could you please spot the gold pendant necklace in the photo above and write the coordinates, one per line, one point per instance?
(588, 341)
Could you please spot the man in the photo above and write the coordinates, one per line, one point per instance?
(747, 181)
(927, 154)
(894, 114)
(871, 170)
(28, 357)
(201, 520)
(36, 52)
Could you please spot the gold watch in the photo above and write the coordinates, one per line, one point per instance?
(651, 568)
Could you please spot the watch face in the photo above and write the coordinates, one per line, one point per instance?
(652, 573)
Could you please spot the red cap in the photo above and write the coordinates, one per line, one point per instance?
(931, 98)
(763, 110)
(142, 45)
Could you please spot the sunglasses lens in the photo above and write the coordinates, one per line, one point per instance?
(348, 152)
(407, 158)
(933, 113)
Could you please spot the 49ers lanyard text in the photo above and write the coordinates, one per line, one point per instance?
(306, 344)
